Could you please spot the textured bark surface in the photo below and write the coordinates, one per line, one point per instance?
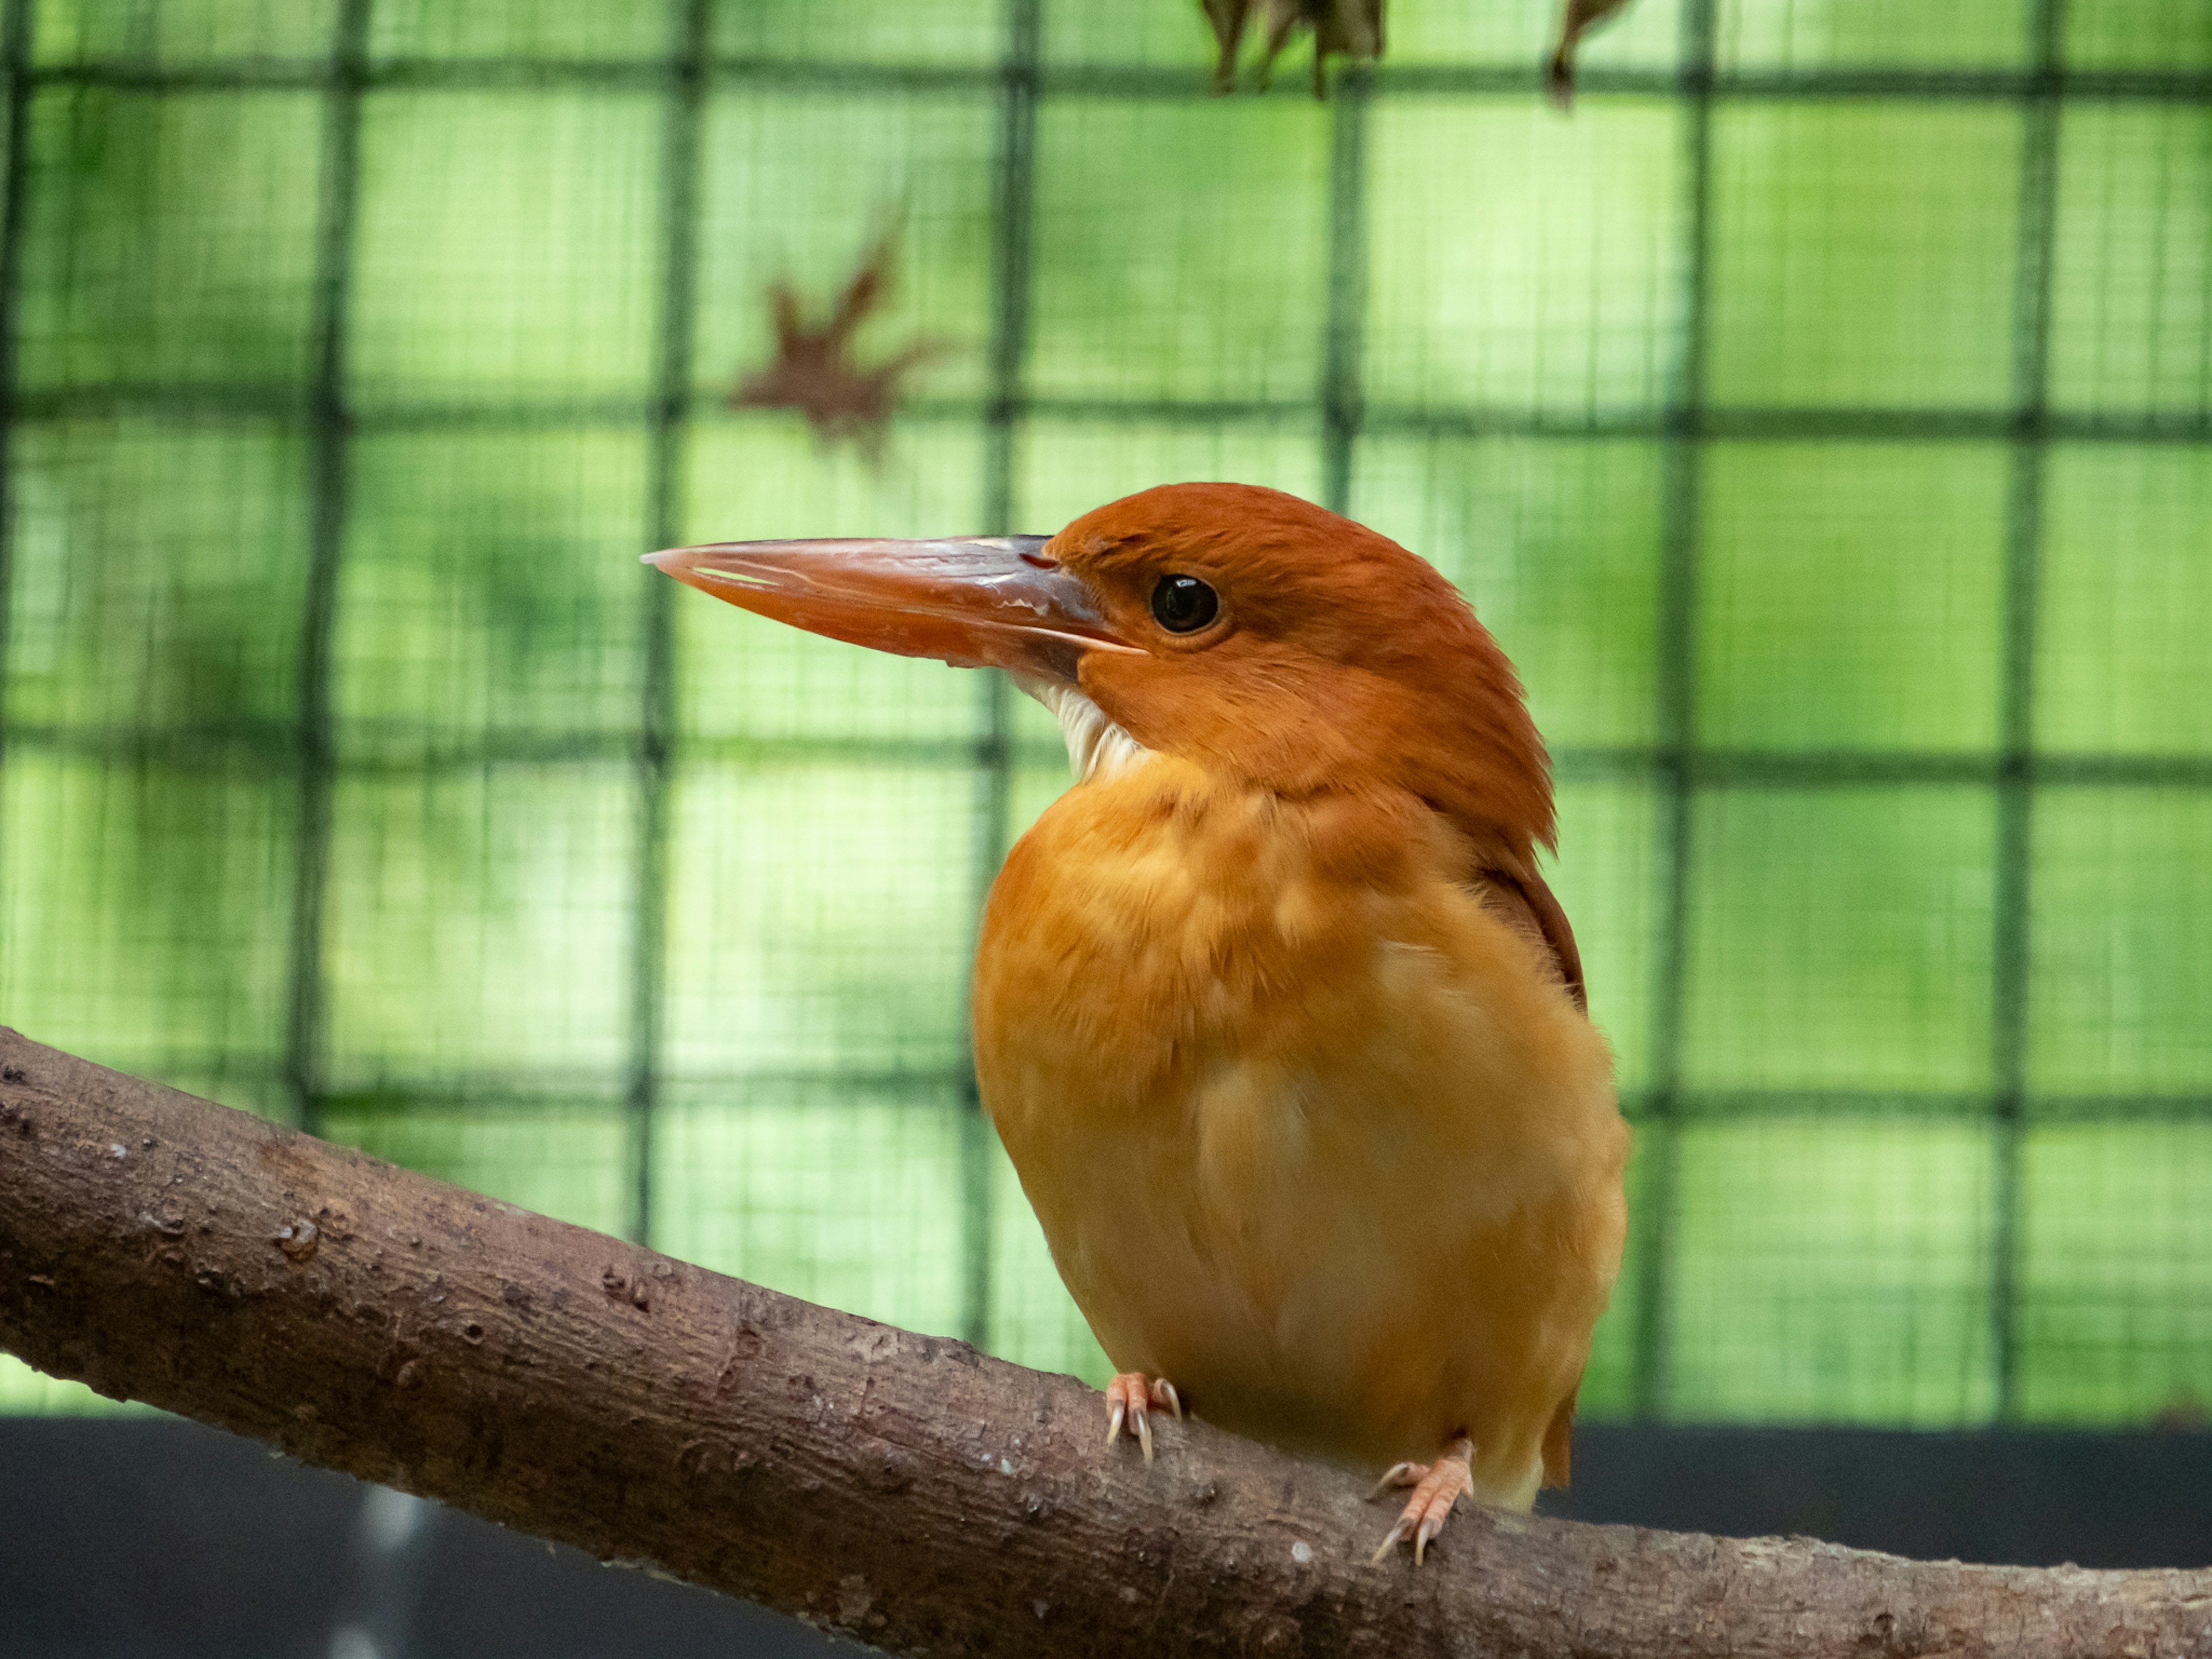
(902, 1489)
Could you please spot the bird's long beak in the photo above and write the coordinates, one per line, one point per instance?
(989, 600)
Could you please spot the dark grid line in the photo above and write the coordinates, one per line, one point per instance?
(1012, 226)
(1131, 81)
(679, 252)
(381, 750)
(523, 1089)
(2010, 957)
(328, 486)
(1752, 424)
(1677, 766)
(1342, 347)
(1659, 1150)
(16, 86)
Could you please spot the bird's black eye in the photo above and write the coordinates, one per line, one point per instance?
(1183, 604)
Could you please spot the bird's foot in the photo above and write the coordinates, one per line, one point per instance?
(1130, 1396)
(1437, 1486)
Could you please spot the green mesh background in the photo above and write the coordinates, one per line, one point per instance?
(1822, 417)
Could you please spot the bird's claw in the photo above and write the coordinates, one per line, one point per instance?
(1398, 1474)
(1437, 1486)
(1391, 1539)
(1131, 1395)
(1430, 1527)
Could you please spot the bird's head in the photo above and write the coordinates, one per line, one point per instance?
(1256, 634)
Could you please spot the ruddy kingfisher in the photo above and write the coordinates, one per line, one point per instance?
(1279, 1025)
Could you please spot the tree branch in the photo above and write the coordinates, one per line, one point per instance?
(904, 1490)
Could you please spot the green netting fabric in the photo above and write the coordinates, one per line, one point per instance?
(1822, 417)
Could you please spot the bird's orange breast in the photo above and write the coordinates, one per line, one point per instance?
(1311, 1131)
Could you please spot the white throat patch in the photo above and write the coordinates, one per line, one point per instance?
(1097, 748)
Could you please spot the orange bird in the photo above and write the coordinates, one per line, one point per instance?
(1284, 1032)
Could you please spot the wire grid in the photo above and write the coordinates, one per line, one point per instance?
(1823, 417)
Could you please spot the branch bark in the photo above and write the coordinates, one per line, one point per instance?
(902, 1489)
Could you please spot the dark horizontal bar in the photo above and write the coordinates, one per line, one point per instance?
(1690, 1105)
(264, 744)
(395, 748)
(1748, 422)
(524, 1091)
(279, 403)
(1192, 82)
(1862, 82)
(1737, 1105)
(1724, 768)
(537, 1089)
(399, 751)
(1742, 423)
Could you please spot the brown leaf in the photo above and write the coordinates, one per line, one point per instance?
(1353, 27)
(1580, 16)
(814, 371)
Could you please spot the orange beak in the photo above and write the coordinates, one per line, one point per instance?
(993, 601)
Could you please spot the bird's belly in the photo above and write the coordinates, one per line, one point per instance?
(1338, 1158)
(1364, 1307)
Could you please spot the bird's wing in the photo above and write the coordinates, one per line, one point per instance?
(1527, 903)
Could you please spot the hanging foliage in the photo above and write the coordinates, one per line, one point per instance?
(1351, 28)
(1579, 17)
(1354, 28)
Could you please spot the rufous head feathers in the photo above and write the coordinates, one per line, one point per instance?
(1292, 646)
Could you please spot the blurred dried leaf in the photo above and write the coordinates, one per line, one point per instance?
(1351, 27)
(1580, 16)
(814, 372)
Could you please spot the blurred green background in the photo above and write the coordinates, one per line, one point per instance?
(1821, 415)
